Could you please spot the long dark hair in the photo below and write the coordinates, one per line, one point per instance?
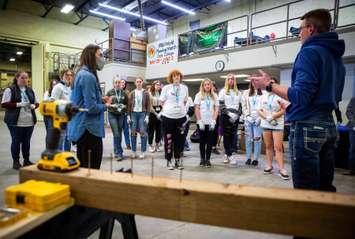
(153, 91)
(88, 57)
(252, 90)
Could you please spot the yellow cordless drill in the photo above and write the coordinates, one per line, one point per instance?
(60, 112)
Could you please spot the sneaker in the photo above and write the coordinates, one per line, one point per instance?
(208, 164)
(202, 163)
(233, 161)
(255, 162)
(27, 163)
(129, 147)
(179, 164)
(134, 155)
(170, 165)
(268, 170)
(118, 157)
(283, 174)
(151, 149)
(248, 162)
(157, 148)
(16, 165)
(141, 156)
(216, 151)
(226, 159)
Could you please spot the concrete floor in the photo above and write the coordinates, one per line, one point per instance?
(158, 228)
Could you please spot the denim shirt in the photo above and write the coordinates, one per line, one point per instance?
(86, 94)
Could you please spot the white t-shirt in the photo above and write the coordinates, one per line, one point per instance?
(269, 102)
(138, 100)
(206, 107)
(61, 92)
(254, 103)
(174, 99)
(189, 103)
(231, 100)
(25, 118)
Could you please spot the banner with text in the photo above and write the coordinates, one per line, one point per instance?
(162, 52)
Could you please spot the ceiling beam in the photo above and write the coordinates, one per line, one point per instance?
(82, 18)
(48, 9)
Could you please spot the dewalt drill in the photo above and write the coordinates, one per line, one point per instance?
(52, 159)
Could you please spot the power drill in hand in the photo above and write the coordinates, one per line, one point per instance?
(60, 112)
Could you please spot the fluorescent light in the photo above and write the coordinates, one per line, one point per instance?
(178, 7)
(19, 53)
(193, 80)
(132, 13)
(227, 0)
(107, 15)
(67, 8)
(246, 80)
(237, 76)
(12, 59)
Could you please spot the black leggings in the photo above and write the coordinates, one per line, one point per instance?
(229, 131)
(206, 142)
(154, 125)
(88, 142)
(174, 138)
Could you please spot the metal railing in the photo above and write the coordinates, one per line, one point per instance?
(252, 38)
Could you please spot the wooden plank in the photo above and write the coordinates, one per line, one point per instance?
(274, 210)
(32, 220)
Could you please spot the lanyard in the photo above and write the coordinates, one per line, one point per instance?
(177, 93)
(253, 100)
(118, 96)
(24, 97)
(208, 102)
(269, 102)
(138, 101)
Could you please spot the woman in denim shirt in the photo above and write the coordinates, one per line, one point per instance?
(87, 128)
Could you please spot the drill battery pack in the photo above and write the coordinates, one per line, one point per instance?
(37, 195)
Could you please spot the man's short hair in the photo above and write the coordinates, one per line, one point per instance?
(319, 18)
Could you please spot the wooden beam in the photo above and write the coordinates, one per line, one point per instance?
(275, 210)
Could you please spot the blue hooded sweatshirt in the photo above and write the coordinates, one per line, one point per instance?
(317, 78)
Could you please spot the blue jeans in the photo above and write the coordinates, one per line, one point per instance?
(138, 125)
(352, 149)
(64, 142)
(312, 147)
(252, 134)
(127, 140)
(116, 123)
(21, 138)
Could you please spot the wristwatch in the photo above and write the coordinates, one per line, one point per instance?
(268, 88)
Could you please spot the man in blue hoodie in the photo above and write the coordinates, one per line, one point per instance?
(316, 88)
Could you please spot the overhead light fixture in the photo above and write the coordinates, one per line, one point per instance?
(19, 53)
(67, 8)
(246, 80)
(178, 7)
(107, 15)
(236, 76)
(227, 0)
(12, 59)
(132, 13)
(193, 80)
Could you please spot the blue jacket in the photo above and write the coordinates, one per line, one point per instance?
(317, 78)
(86, 94)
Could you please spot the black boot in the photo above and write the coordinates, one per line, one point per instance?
(16, 165)
(27, 162)
(202, 162)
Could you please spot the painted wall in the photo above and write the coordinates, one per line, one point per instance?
(127, 72)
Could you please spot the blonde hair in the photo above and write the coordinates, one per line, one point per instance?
(226, 85)
(202, 90)
(173, 73)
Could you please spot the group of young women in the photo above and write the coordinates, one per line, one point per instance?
(163, 112)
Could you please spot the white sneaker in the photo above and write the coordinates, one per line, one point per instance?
(157, 148)
(233, 161)
(283, 174)
(134, 155)
(151, 149)
(179, 164)
(170, 165)
(141, 156)
(226, 159)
